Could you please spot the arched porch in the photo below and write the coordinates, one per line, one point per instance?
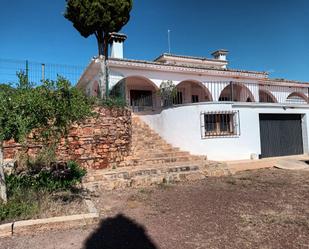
(266, 97)
(190, 91)
(139, 92)
(297, 97)
(236, 92)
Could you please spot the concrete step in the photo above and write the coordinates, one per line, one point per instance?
(281, 162)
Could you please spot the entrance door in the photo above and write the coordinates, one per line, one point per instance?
(281, 135)
(140, 98)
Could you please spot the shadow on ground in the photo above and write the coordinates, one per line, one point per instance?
(119, 232)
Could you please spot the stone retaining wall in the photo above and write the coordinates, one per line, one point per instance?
(96, 143)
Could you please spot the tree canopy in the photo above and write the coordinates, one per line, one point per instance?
(98, 17)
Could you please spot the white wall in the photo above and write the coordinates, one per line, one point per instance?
(117, 50)
(181, 126)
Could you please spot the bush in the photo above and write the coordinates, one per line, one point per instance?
(22, 204)
(58, 176)
(114, 102)
(28, 189)
(49, 109)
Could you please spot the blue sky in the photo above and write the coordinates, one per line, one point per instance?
(266, 35)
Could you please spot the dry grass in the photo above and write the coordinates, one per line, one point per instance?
(61, 204)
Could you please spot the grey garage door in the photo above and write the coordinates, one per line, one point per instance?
(281, 135)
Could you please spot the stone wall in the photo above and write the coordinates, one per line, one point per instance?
(96, 143)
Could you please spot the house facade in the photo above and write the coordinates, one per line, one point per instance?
(224, 113)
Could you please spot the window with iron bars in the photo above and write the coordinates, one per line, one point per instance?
(220, 124)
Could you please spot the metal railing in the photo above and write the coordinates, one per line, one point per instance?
(220, 124)
(36, 72)
(144, 103)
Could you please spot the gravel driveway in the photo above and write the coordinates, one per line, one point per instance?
(264, 209)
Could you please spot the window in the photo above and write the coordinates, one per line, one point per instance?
(219, 124)
(195, 98)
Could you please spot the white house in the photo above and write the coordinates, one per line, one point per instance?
(226, 114)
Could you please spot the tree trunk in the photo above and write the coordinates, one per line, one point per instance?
(105, 48)
(100, 40)
(2, 178)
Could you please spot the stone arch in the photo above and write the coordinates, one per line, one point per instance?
(266, 96)
(192, 91)
(237, 92)
(297, 97)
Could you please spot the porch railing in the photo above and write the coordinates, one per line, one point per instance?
(145, 103)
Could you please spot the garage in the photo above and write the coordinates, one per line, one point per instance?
(281, 135)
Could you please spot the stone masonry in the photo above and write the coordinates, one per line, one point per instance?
(96, 143)
(153, 161)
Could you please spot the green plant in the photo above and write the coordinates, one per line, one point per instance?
(18, 209)
(46, 111)
(114, 102)
(57, 176)
(167, 92)
(49, 109)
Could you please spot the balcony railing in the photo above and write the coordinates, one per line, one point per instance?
(144, 103)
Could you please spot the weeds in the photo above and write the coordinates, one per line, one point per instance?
(35, 182)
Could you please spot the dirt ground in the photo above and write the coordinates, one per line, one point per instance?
(265, 209)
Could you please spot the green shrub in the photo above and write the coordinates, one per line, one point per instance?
(114, 102)
(58, 176)
(22, 204)
(28, 189)
(49, 108)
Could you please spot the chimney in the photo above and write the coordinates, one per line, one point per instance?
(116, 40)
(220, 54)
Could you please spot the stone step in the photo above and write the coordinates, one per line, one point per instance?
(141, 177)
(149, 149)
(148, 140)
(168, 149)
(158, 154)
(146, 137)
(145, 133)
(152, 147)
(125, 173)
(122, 172)
(160, 160)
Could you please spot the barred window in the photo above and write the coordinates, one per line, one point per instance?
(219, 124)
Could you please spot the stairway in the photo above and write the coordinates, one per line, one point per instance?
(152, 161)
(149, 149)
